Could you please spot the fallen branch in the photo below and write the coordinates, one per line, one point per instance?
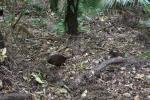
(115, 60)
(15, 96)
(88, 75)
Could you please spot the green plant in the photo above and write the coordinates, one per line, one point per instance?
(146, 54)
(38, 21)
(78, 8)
(38, 78)
(59, 27)
(8, 19)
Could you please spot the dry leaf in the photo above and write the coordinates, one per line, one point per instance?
(139, 76)
(137, 97)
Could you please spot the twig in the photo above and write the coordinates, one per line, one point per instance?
(14, 25)
(6, 69)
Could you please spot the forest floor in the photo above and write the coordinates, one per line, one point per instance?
(28, 71)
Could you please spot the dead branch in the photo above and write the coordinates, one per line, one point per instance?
(15, 96)
(115, 60)
(88, 75)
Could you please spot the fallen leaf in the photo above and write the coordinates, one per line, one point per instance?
(127, 94)
(137, 97)
(84, 94)
(139, 76)
(37, 78)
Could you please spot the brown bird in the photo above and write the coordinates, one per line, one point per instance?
(57, 59)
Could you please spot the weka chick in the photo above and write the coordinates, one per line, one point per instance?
(56, 59)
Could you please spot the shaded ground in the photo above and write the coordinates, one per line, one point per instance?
(105, 40)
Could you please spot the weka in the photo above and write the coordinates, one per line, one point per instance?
(57, 59)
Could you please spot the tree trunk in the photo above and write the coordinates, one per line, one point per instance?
(71, 14)
(54, 5)
(2, 45)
